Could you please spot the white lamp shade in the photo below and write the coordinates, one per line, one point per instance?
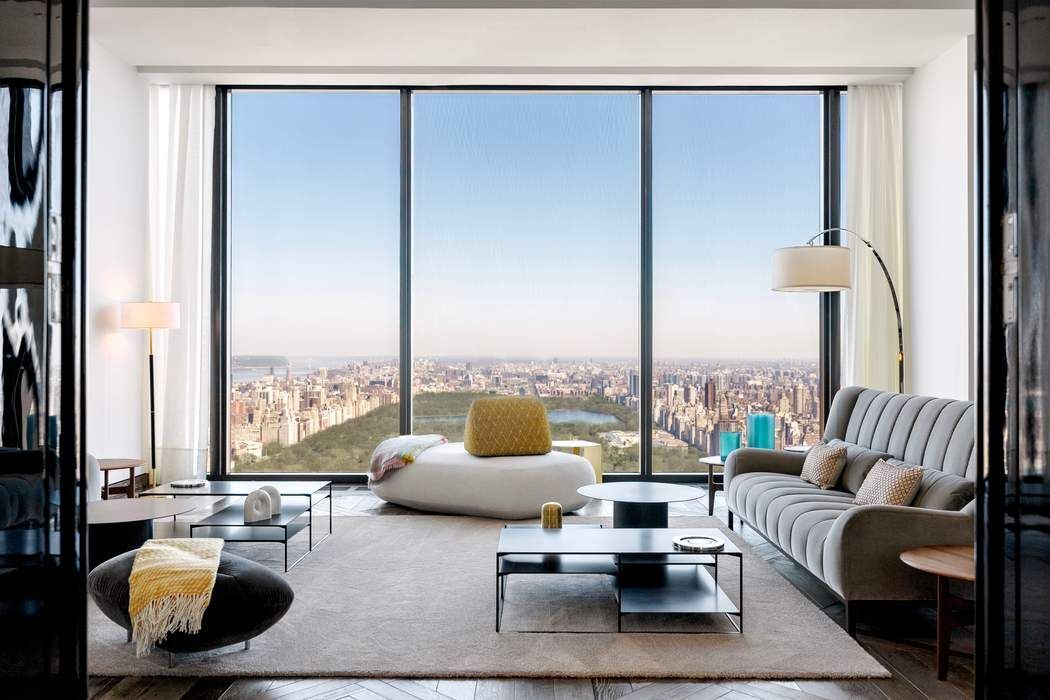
(149, 314)
(811, 268)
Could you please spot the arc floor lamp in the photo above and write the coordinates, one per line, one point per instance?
(826, 268)
(150, 316)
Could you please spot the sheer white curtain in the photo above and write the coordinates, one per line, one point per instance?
(182, 124)
(875, 210)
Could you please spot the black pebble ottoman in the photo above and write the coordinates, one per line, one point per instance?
(247, 600)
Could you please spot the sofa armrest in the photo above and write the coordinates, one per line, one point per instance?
(753, 459)
(862, 551)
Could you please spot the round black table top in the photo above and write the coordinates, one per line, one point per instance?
(640, 492)
(130, 510)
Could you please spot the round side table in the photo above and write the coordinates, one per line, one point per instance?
(640, 503)
(120, 525)
(947, 563)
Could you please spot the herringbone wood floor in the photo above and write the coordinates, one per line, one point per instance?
(901, 640)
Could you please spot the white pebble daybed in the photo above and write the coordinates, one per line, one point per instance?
(448, 479)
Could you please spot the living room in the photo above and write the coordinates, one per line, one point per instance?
(344, 364)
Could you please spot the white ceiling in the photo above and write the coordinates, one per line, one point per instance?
(530, 42)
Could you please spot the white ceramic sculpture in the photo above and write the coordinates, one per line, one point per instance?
(256, 506)
(275, 498)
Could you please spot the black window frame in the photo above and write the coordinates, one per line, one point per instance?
(829, 364)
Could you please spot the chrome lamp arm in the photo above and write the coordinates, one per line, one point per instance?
(893, 294)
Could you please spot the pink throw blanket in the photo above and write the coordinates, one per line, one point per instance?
(394, 453)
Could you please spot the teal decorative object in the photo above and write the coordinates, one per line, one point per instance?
(760, 432)
(728, 440)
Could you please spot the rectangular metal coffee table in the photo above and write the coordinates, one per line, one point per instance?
(298, 498)
(673, 582)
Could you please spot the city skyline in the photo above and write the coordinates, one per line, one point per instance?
(344, 409)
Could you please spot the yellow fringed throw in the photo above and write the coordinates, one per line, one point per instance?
(171, 583)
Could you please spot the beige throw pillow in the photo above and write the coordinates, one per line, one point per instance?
(889, 485)
(824, 465)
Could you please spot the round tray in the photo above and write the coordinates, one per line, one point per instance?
(698, 543)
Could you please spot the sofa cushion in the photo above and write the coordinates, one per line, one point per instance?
(793, 514)
(507, 426)
(889, 485)
(824, 464)
(940, 490)
(859, 461)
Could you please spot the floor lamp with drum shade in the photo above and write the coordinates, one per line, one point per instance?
(826, 268)
(150, 316)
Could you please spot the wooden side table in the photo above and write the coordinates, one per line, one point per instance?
(712, 485)
(591, 451)
(108, 465)
(947, 563)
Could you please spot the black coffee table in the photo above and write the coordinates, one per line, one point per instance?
(298, 498)
(640, 503)
(687, 582)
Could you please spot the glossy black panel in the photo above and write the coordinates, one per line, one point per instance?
(41, 579)
(1014, 532)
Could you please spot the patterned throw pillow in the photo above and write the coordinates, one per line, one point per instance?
(824, 465)
(889, 485)
(505, 425)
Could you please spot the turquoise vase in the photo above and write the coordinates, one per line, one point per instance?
(760, 430)
(728, 440)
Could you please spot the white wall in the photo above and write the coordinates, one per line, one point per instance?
(938, 225)
(118, 120)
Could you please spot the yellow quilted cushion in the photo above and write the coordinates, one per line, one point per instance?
(505, 425)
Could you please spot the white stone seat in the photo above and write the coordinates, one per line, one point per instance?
(448, 479)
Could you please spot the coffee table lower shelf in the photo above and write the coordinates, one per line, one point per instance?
(228, 524)
(686, 589)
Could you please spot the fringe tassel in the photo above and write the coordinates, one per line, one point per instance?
(167, 614)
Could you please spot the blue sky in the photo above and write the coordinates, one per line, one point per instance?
(525, 223)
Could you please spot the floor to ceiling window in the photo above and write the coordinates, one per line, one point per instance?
(313, 240)
(734, 177)
(512, 228)
(525, 225)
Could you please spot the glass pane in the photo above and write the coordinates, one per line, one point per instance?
(734, 177)
(314, 235)
(525, 248)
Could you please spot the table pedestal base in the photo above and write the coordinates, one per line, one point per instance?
(652, 515)
(107, 540)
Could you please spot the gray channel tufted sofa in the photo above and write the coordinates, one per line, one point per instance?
(855, 549)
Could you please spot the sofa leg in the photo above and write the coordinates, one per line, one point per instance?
(851, 619)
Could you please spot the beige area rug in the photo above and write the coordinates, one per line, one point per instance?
(414, 596)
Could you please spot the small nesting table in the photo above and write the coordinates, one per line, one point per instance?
(947, 563)
(298, 498)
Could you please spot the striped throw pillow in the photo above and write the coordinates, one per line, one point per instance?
(824, 465)
(889, 485)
